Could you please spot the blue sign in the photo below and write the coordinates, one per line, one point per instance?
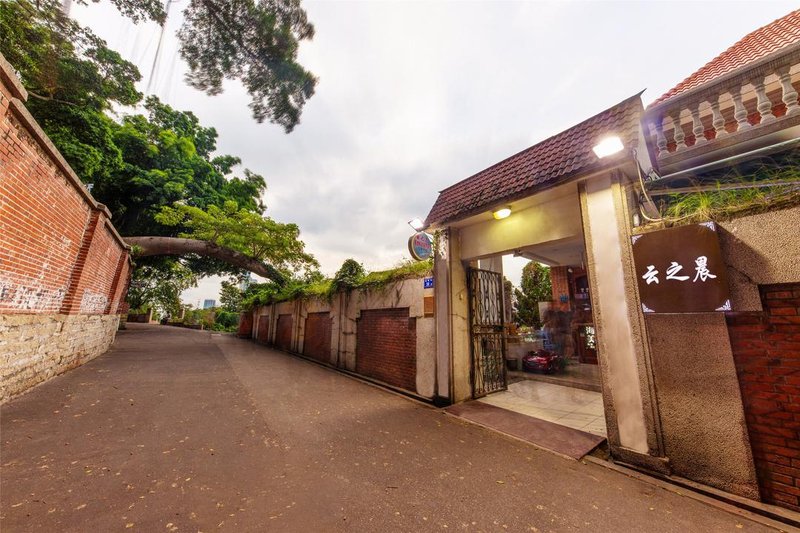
(427, 283)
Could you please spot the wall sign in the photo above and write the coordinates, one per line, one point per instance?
(680, 270)
(427, 283)
(421, 246)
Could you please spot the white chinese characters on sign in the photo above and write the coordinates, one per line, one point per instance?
(651, 276)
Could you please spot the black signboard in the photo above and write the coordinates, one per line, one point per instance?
(680, 270)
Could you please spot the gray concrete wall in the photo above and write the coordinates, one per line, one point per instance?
(705, 436)
(704, 430)
(35, 348)
(760, 249)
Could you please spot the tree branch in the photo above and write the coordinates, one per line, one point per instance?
(49, 98)
(148, 246)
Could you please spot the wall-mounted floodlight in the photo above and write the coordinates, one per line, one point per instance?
(501, 213)
(416, 224)
(608, 146)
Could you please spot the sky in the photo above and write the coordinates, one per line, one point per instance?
(416, 96)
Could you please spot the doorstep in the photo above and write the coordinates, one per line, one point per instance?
(565, 441)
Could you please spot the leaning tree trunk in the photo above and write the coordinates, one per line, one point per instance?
(176, 246)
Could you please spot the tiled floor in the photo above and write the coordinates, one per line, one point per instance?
(575, 408)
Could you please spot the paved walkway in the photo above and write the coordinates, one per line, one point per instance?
(177, 430)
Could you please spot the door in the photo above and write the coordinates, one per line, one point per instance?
(486, 330)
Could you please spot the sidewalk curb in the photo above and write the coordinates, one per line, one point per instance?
(713, 501)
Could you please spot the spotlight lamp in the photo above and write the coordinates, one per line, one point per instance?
(416, 224)
(501, 213)
(608, 146)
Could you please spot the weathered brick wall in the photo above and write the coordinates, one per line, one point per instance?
(317, 336)
(245, 330)
(766, 349)
(262, 329)
(386, 347)
(60, 258)
(283, 332)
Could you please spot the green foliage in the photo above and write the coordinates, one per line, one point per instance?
(230, 296)
(256, 42)
(351, 276)
(257, 236)
(535, 287)
(225, 320)
(160, 285)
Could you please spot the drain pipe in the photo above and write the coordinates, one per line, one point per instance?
(732, 159)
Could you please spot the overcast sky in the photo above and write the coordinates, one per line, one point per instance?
(415, 96)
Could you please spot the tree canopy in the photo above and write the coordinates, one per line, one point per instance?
(140, 163)
(252, 41)
(535, 287)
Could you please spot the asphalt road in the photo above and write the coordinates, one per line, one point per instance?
(178, 430)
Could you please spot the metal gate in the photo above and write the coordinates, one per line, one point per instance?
(486, 329)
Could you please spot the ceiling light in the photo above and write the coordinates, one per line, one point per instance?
(501, 213)
(608, 146)
(416, 224)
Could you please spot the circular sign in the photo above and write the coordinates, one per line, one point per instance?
(421, 246)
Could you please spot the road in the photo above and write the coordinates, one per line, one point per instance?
(180, 430)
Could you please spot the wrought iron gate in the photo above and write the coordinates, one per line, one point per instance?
(486, 329)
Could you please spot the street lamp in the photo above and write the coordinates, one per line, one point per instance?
(501, 213)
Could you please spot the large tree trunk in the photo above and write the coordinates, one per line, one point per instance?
(176, 246)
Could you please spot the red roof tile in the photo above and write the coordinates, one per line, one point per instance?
(768, 39)
(551, 161)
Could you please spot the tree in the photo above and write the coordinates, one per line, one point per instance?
(160, 287)
(253, 41)
(230, 296)
(536, 287)
(145, 162)
(257, 237)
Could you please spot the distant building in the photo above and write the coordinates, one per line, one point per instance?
(209, 303)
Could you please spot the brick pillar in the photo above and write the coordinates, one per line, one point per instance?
(123, 257)
(71, 303)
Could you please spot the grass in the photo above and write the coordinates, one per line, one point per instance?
(761, 190)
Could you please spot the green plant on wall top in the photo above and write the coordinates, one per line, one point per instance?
(351, 276)
(750, 188)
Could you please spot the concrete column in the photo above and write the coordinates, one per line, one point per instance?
(452, 326)
(628, 394)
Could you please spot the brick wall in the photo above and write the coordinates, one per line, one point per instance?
(559, 278)
(766, 350)
(317, 336)
(262, 329)
(60, 257)
(386, 347)
(245, 330)
(283, 333)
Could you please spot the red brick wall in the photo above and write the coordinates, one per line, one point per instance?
(58, 252)
(262, 331)
(766, 350)
(559, 278)
(386, 347)
(317, 336)
(245, 329)
(283, 333)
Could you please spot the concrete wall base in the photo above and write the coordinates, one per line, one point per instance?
(34, 348)
(625, 456)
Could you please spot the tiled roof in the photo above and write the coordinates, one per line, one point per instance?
(768, 39)
(551, 161)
